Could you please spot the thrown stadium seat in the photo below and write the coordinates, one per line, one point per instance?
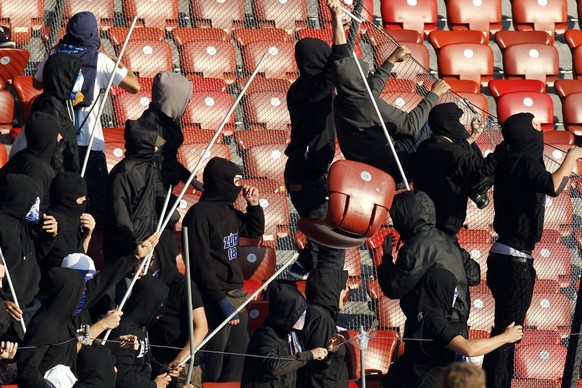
(441, 38)
(12, 63)
(476, 64)
(276, 209)
(268, 109)
(209, 58)
(158, 13)
(207, 110)
(499, 87)
(548, 15)
(540, 361)
(482, 312)
(259, 137)
(225, 14)
(484, 15)
(382, 345)
(531, 61)
(280, 14)
(128, 106)
(244, 36)
(418, 15)
(561, 137)
(540, 104)
(279, 62)
(359, 198)
(257, 262)
(258, 311)
(406, 69)
(22, 18)
(103, 11)
(148, 58)
(553, 261)
(189, 154)
(549, 312)
(117, 35)
(572, 114)
(266, 161)
(504, 39)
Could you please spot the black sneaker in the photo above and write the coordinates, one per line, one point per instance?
(297, 271)
(4, 41)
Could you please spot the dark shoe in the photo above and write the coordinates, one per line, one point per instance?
(481, 201)
(4, 41)
(297, 271)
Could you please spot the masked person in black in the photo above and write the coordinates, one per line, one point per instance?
(327, 293)
(312, 146)
(214, 228)
(95, 367)
(52, 331)
(277, 341)
(521, 186)
(423, 362)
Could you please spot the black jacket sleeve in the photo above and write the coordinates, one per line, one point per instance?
(29, 361)
(273, 364)
(108, 277)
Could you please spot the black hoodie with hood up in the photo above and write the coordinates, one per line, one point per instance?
(214, 226)
(130, 209)
(310, 104)
(95, 367)
(52, 330)
(323, 290)
(271, 340)
(425, 247)
(137, 368)
(59, 76)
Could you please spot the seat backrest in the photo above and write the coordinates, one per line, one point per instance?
(225, 14)
(208, 109)
(504, 39)
(540, 361)
(571, 108)
(244, 36)
(209, 58)
(466, 61)
(406, 68)
(390, 315)
(563, 137)
(257, 262)
(155, 14)
(482, 312)
(499, 87)
(266, 161)
(539, 15)
(484, 15)
(565, 87)
(3, 155)
(148, 58)
(258, 311)
(548, 311)
(573, 38)
(418, 15)
(577, 62)
(268, 109)
(282, 14)
(531, 61)
(279, 63)
(539, 104)
(189, 154)
(441, 38)
(103, 10)
(12, 62)
(128, 106)
(6, 110)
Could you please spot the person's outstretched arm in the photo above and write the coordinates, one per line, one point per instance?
(339, 34)
(482, 346)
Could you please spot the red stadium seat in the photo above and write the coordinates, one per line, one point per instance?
(540, 361)
(577, 62)
(572, 114)
(565, 87)
(26, 92)
(148, 58)
(103, 11)
(476, 63)
(482, 312)
(160, 14)
(474, 236)
(560, 137)
(117, 35)
(463, 86)
(553, 261)
(3, 155)
(260, 137)
(441, 38)
(257, 262)
(266, 161)
(548, 15)
(128, 106)
(262, 84)
(219, 14)
(208, 109)
(390, 315)
(420, 15)
(573, 38)
(189, 154)
(504, 39)
(189, 199)
(399, 85)
(382, 345)
(477, 100)
(401, 36)
(22, 18)
(499, 87)
(208, 84)
(359, 198)
(479, 252)
(268, 109)
(244, 36)
(367, 13)
(184, 35)
(279, 63)
(264, 186)
(207, 58)
(114, 135)
(6, 111)
(531, 61)
(546, 286)
(549, 312)
(403, 101)
(258, 311)
(558, 214)
(484, 15)
(541, 105)
(193, 134)
(406, 68)
(12, 63)
(114, 153)
(280, 14)
(276, 209)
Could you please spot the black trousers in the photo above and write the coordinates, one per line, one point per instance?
(96, 178)
(511, 280)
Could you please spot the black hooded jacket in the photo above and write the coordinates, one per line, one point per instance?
(52, 329)
(41, 136)
(59, 76)
(425, 247)
(359, 131)
(323, 291)
(286, 305)
(213, 230)
(447, 182)
(310, 103)
(130, 210)
(95, 367)
(521, 184)
(136, 368)
(17, 195)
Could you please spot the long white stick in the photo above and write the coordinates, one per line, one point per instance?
(384, 129)
(102, 105)
(242, 306)
(11, 286)
(186, 246)
(213, 140)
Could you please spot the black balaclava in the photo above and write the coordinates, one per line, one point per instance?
(521, 136)
(311, 55)
(286, 307)
(41, 135)
(147, 300)
(411, 212)
(95, 367)
(218, 178)
(140, 142)
(66, 188)
(437, 290)
(324, 287)
(443, 120)
(66, 288)
(59, 75)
